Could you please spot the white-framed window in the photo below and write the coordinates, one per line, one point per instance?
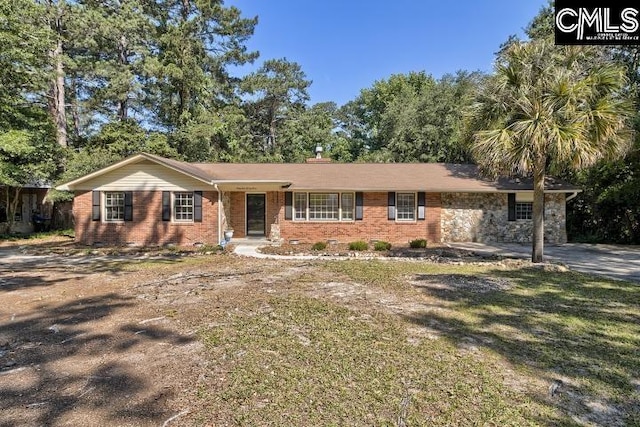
(183, 207)
(114, 206)
(347, 206)
(405, 206)
(323, 206)
(300, 206)
(524, 206)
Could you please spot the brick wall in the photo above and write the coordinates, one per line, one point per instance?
(374, 225)
(237, 212)
(147, 227)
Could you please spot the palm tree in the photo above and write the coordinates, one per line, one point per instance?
(549, 109)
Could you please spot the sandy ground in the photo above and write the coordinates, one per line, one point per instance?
(92, 339)
(78, 346)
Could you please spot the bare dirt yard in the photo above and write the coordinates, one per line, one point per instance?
(98, 338)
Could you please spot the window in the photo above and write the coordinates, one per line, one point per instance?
(346, 206)
(323, 206)
(183, 207)
(300, 206)
(405, 206)
(524, 206)
(524, 210)
(114, 206)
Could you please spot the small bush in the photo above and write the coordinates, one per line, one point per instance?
(319, 246)
(359, 245)
(418, 243)
(382, 246)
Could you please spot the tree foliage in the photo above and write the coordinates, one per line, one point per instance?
(110, 78)
(410, 118)
(549, 109)
(608, 208)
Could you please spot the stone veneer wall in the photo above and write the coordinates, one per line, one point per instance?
(483, 217)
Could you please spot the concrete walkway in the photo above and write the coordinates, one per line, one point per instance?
(612, 261)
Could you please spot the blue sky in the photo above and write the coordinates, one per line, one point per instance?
(344, 46)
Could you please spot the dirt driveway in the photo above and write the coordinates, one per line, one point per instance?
(79, 345)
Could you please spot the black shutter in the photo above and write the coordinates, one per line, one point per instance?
(166, 205)
(391, 205)
(511, 199)
(197, 206)
(421, 205)
(359, 206)
(288, 205)
(95, 206)
(128, 205)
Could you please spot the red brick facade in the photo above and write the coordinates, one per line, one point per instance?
(147, 227)
(374, 225)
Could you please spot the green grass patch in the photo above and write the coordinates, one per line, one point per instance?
(40, 235)
(295, 360)
(549, 325)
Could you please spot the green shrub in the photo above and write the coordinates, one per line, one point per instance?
(418, 243)
(358, 245)
(319, 246)
(382, 246)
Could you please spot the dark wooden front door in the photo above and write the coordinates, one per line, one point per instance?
(256, 213)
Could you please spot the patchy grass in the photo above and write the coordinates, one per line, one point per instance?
(43, 235)
(364, 343)
(392, 276)
(301, 361)
(575, 333)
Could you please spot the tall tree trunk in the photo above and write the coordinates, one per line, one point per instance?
(57, 96)
(123, 107)
(538, 212)
(12, 207)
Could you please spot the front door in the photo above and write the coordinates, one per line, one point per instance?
(256, 210)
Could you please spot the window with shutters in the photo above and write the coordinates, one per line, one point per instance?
(323, 206)
(114, 206)
(405, 206)
(183, 207)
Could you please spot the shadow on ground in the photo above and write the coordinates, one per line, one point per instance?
(579, 334)
(42, 379)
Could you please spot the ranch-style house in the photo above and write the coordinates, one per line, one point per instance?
(150, 200)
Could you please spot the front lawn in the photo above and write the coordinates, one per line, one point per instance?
(395, 343)
(217, 339)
